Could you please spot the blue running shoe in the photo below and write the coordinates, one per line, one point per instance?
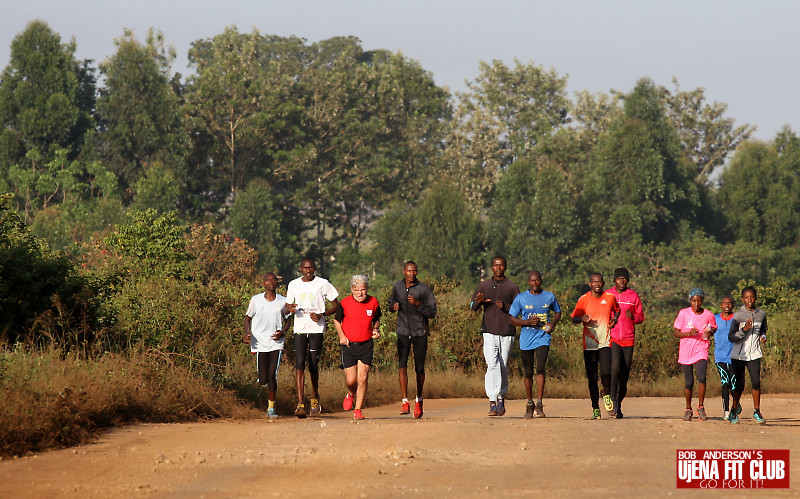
(758, 417)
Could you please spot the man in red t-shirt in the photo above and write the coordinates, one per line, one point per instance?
(598, 311)
(356, 320)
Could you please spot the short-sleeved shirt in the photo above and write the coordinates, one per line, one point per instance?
(525, 306)
(310, 296)
(357, 317)
(694, 347)
(722, 345)
(267, 318)
(600, 310)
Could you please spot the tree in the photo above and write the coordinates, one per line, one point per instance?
(504, 113)
(440, 234)
(139, 110)
(758, 192)
(706, 135)
(640, 184)
(46, 98)
(256, 216)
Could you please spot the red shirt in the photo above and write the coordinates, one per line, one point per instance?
(356, 317)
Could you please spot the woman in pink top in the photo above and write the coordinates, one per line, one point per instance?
(694, 326)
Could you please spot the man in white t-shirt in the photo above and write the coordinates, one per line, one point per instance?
(305, 298)
(264, 329)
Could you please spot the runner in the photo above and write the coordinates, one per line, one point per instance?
(533, 307)
(622, 337)
(598, 311)
(748, 331)
(305, 297)
(722, 353)
(357, 319)
(264, 329)
(415, 306)
(694, 326)
(495, 296)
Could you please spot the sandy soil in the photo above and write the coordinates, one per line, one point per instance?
(455, 450)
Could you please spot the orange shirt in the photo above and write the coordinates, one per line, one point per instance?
(599, 310)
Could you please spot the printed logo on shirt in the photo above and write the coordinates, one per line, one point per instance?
(603, 301)
(369, 313)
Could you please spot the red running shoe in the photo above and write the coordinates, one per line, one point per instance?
(347, 403)
(357, 414)
(406, 408)
(418, 409)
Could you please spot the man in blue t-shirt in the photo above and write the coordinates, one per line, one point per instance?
(532, 310)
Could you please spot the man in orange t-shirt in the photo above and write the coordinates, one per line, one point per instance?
(598, 311)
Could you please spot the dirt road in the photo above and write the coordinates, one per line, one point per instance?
(454, 451)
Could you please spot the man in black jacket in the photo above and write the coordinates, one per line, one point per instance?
(415, 306)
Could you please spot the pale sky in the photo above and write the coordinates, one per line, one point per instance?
(742, 52)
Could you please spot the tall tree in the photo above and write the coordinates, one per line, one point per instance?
(504, 113)
(139, 110)
(640, 186)
(46, 99)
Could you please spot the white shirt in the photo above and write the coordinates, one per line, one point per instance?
(267, 318)
(309, 297)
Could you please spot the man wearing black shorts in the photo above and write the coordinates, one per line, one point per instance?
(415, 306)
(305, 298)
(357, 321)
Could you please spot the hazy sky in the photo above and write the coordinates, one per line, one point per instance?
(742, 52)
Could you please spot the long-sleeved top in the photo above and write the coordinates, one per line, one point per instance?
(747, 344)
(413, 320)
(624, 331)
(496, 320)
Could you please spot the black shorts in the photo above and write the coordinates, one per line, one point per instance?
(420, 351)
(528, 356)
(310, 344)
(361, 350)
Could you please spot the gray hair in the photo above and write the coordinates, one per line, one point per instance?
(359, 279)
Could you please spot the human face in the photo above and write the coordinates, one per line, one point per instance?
(596, 284)
(749, 300)
(499, 267)
(307, 268)
(621, 283)
(535, 282)
(697, 304)
(359, 293)
(726, 305)
(270, 282)
(410, 272)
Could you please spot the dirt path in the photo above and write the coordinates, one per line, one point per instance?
(454, 451)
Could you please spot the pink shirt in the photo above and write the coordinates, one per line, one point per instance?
(694, 347)
(623, 331)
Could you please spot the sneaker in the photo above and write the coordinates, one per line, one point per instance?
(734, 417)
(357, 414)
(727, 416)
(608, 403)
(687, 414)
(272, 414)
(492, 409)
(701, 413)
(595, 413)
(619, 414)
(529, 410)
(300, 411)
(758, 417)
(737, 409)
(348, 401)
(501, 407)
(406, 408)
(539, 409)
(316, 409)
(417, 409)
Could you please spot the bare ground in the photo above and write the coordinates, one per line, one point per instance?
(454, 451)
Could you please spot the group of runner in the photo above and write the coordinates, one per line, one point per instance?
(356, 319)
(608, 316)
